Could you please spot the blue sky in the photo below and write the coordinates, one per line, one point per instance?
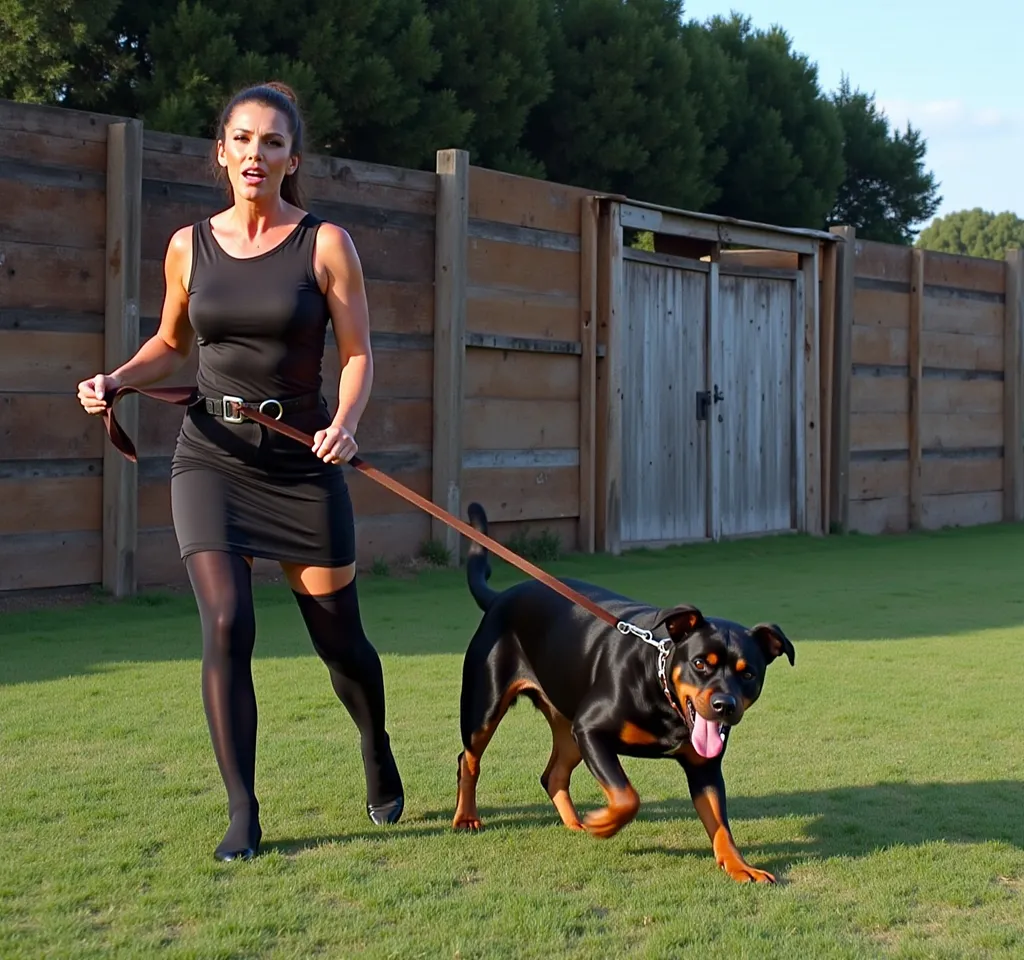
(952, 69)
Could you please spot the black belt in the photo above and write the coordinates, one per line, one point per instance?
(226, 407)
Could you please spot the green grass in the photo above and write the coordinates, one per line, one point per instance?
(880, 779)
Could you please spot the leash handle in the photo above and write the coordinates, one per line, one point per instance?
(187, 396)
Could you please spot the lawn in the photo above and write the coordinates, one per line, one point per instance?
(880, 779)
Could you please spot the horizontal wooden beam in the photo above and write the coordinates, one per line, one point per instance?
(665, 260)
(524, 236)
(493, 341)
(680, 225)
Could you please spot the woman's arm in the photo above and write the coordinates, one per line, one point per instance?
(350, 319)
(164, 353)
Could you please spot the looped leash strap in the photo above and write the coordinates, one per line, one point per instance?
(187, 396)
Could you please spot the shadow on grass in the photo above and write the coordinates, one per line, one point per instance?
(820, 589)
(844, 822)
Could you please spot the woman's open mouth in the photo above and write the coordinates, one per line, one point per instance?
(253, 175)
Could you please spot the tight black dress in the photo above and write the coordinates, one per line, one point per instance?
(261, 325)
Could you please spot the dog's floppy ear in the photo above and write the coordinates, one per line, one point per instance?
(773, 642)
(681, 621)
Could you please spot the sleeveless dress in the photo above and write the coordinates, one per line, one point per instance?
(261, 325)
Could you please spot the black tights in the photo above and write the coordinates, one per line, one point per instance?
(222, 584)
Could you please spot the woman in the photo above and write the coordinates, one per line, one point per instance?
(256, 285)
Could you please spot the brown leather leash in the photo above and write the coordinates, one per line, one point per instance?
(187, 396)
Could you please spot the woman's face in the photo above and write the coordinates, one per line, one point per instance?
(256, 151)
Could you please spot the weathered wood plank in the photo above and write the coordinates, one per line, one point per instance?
(961, 430)
(41, 362)
(879, 345)
(54, 215)
(523, 201)
(450, 278)
(961, 510)
(965, 273)
(51, 505)
(525, 494)
(827, 325)
(953, 314)
(496, 311)
(883, 261)
(511, 267)
(41, 277)
(879, 431)
(397, 374)
(54, 121)
(881, 308)
(961, 396)
(522, 376)
(491, 424)
(884, 515)
(877, 479)
(56, 151)
(962, 351)
(39, 560)
(44, 425)
(879, 395)
(944, 476)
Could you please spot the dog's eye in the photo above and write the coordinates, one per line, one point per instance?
(699, 665)
(747, 675)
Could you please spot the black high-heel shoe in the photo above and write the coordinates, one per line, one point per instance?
(232, 848)
(386, 813)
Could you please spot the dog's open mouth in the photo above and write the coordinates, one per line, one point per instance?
(706, 736)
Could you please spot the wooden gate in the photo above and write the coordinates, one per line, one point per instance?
(712, 386)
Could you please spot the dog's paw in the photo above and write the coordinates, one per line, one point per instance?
(606, 822)
(471, 824)
(743, 872)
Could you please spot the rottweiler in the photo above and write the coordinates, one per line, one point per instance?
(675, 692)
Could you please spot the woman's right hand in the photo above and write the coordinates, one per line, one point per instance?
(92, 391)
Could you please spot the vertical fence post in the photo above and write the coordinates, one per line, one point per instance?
(914, 375)
(1013, 370)
(120, 341)
(450, 243)
(846, 260)
(589, 211)
(827, 327)
(812, 395)
(609, 305)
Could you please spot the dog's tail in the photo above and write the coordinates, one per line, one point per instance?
(478, 567)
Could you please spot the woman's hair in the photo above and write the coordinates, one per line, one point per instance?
(279, 97)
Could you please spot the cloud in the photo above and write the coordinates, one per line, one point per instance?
(953, 117)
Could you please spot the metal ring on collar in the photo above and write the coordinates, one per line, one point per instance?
(271, 403)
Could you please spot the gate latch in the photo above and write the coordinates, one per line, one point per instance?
(703, 404)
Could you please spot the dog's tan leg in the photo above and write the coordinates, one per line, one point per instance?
(565, 757)
(467, 817)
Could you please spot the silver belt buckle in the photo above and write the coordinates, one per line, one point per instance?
(231, 417)
(276, 403)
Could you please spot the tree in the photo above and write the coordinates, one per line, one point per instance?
(49, 48)
(494, 60)
(781, 137)
(974, 233)
(886, 191)
(619, 117)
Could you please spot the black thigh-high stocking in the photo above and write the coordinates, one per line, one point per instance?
(336, 630)
(222, 584)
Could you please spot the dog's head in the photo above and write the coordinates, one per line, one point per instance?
(716, 670)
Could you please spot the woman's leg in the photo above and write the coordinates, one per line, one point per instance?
(222, 583)
(329, 605)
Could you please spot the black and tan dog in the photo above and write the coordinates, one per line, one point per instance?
(606, 695)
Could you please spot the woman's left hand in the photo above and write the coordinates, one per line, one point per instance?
(335, 444)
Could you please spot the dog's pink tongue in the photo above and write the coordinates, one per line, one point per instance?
(706, 737)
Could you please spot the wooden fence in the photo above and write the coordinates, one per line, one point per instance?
(87, 206)
(928, 373)
(498, 312)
